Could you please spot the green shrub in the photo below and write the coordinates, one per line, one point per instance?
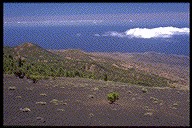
(46, 77)
(112, 97)
(105, 77)
(66, 74)
(19, 73)
(35, 78)
(54, 77)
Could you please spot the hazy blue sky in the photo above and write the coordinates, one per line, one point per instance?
(95, 13)
(122, 27)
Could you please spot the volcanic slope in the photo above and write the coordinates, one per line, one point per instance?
(173, 67)
(75, 63)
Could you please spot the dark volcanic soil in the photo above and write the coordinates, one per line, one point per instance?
(82, 102)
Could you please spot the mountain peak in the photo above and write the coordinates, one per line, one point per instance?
(27, 44)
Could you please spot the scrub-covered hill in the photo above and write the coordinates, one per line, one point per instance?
(33, 60)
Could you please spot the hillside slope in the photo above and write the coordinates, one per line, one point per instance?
(173, 67)
(75, 63)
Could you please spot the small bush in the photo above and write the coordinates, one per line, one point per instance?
(148, 114)
(95, 89)
(112, 97)
(57, 102)
(19, 97)
(175, 104)
(91, 115)
(105, 77)
(129, 92)
(144, 90)
(39, 118)
(19, 73)
(153, 98)
(46, 77)
(54, 78)
(43, 94)
(60, 109)
(12, 88)
(25, 109)
(91, 96)
(41, 103)
(35, 78)
(172, 85)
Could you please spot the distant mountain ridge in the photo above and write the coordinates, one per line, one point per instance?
(72, 54)
(173, 67)
(34, 52)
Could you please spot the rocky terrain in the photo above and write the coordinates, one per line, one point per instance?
(83, 102)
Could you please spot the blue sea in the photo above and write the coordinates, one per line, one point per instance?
(84, 38)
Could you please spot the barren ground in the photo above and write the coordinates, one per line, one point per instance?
(83, 102)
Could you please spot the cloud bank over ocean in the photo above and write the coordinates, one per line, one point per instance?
(147, 33)
(54, 23)
(167, 18)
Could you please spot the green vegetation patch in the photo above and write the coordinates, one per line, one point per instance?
(112, 97)
(37, 63)
(35, 78)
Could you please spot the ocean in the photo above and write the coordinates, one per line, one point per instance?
(91, 39)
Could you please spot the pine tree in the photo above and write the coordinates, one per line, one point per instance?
(105, 77)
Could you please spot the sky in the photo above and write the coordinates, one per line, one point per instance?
(41, 14)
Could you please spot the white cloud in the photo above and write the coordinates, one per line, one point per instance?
(55, 22)
(160, 32)
(113, 33)
(78, 34)
(96, 35)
